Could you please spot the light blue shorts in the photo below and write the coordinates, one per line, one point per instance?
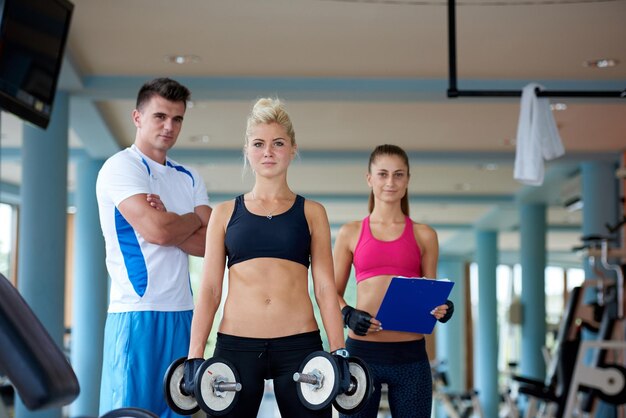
(138, 349)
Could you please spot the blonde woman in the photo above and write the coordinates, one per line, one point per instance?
(268, 238)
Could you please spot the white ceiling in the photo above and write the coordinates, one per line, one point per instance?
(355, 74)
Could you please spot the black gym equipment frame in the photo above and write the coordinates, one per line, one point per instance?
(454, 92)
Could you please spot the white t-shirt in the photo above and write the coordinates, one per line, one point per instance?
(145, 276)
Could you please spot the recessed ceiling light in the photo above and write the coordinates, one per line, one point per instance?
(558, 106)
(601, 63)
(201, 139)
(463, 186)
(182, 59)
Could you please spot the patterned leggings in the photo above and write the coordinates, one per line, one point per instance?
(404, 367)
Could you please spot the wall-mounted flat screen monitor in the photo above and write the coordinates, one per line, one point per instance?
(33, 34)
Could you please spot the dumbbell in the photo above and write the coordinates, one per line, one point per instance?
(318, 383)
(216, 388)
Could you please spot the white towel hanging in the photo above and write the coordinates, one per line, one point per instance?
(537, 137)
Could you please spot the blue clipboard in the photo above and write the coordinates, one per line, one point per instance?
(409, 301)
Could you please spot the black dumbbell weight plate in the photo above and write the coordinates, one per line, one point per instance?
(361, 388)
(129, 413)
(179, 402)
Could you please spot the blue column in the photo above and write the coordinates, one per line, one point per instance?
(451, 341)
(89, 295)
(486, 353)
(533, 262)
(600, 206)
(42, 233)
(450, 337)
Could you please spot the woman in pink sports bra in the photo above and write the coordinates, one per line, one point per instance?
(388, 243)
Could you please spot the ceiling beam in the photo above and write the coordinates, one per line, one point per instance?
(9, 154)
(311, 89)
(566, 164)
(9, 193)
(69, 77)
(89, 125)
(326, 198)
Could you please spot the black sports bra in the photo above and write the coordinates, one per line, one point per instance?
(285, 236)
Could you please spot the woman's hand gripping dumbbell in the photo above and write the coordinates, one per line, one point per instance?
(194, 384)
(335, 378)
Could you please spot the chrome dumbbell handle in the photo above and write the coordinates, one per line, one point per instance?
(352, 386)
(315, 378)
(221, 385)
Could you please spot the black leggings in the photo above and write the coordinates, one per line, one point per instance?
(257, 359)
(404, 367)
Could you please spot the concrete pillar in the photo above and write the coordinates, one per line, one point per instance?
(533, 298)
(42, 231)
(486, 332)
(450, 336)
(600, 206)
(89, 294)
(600, 200)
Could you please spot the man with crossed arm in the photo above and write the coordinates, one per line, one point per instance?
(153, 213)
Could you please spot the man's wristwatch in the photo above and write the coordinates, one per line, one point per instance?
(341, 352)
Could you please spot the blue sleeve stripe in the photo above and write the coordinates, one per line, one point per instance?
(131, 252)
(143, 160)
(182, 170)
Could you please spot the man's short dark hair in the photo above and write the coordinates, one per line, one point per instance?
(165, 87)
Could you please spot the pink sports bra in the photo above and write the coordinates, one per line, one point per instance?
(400, 257)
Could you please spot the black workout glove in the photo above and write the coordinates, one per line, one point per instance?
(191, 366)
(449, 312)
(357, 320)
(341, 358)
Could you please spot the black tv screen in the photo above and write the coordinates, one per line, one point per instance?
(33, 34)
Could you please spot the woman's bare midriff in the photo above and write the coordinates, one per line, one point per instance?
(370, 294)
(268, 298)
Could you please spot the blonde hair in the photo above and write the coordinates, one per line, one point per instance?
(267, 111)
(393, 150)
